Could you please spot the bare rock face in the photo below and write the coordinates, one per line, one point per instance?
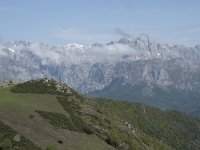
(5, 84)
(90, 68)
(17, 138)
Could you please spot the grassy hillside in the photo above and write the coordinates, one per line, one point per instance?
(18, 110)
(50, 114)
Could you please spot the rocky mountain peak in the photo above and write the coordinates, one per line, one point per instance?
(87, 68)
(124, 41)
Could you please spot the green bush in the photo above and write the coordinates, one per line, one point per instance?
(73, 109)
(73, 123)
(51, 147)
(38, 87)
(58, 120)
(6, 139)
(6, 144)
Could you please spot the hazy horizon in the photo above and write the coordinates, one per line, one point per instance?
(86, 22)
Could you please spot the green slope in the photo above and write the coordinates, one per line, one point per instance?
(173, 128)
(165, 99)
(9, 139)
(49, 113)
(18, 110)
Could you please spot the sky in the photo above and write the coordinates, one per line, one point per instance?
(88, 21)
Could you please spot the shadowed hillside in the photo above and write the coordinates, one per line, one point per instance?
(52, 115)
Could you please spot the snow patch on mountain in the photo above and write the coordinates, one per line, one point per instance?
(12, 50)
(93, 67)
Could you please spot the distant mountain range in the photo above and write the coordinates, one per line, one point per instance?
(140, 70)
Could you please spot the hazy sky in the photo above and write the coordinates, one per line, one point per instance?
(89, 21)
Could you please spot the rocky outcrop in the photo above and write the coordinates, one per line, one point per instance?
(90, 68)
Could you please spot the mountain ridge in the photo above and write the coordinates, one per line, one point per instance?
(93, 68)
